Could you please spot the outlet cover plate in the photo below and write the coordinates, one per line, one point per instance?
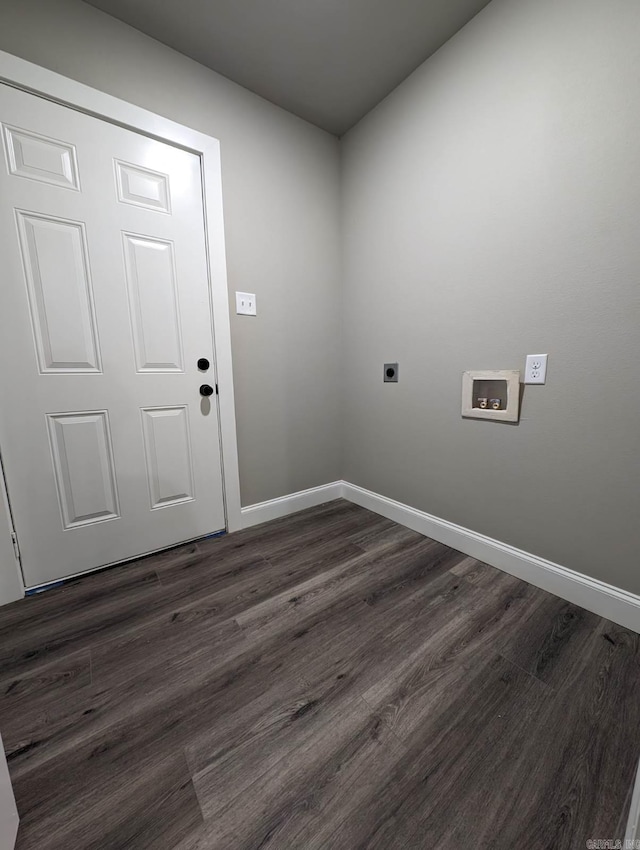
(536, 369)
(390, 373)
(246, 304)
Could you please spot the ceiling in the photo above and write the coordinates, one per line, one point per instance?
(328, 61)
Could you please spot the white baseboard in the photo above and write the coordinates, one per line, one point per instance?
(285, 505)
(603, 599)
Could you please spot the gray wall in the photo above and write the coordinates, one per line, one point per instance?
(281, 198)
(492, 209)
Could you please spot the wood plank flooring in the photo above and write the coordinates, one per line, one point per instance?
(329, 681)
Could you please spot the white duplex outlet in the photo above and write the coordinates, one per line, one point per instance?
(245, 304)
(536, 369)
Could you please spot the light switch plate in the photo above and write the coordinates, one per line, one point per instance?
(536, 369)
(245, 304)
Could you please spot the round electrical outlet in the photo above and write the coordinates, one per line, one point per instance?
(390, 373)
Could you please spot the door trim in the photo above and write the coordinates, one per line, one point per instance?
(11, 582)
(41, 81)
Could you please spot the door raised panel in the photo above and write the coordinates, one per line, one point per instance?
(168, 451)
(56, 265)
(142, 187)
(84, 468)
(153, 301)
(40, 158)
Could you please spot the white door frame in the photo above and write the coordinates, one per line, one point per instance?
(41, 81)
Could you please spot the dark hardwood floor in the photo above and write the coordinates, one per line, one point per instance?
(329, 681)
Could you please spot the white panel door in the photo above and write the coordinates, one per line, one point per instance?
(109, 449)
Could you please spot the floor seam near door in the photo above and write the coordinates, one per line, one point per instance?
(528, 672)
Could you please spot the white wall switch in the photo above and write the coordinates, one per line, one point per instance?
(245, 304)
(536, 369)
